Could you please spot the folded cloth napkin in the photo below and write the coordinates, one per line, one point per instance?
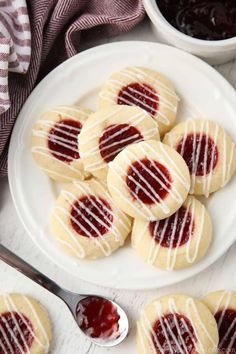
(57, 29)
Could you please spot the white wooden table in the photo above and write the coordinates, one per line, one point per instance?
(67, 338)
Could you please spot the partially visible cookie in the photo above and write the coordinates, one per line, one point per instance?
(222, 305)
(24, 325)
(177, 324)
(145, 88)
(176, 242)
(108, 131)
(208, 151)
(86, 221)
(148, 180)
(54, 142)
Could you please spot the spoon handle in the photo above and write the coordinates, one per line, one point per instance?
(19, 264)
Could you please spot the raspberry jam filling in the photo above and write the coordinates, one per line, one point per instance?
(226, 321)
(173, 333)
(91, 216)
(141, 95)
(16, 333)
(174, 231)
(98, 318)
(199, 152)
(148, 181)
(63, 140)
(115, 138)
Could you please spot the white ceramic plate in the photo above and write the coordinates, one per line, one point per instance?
(204, 93)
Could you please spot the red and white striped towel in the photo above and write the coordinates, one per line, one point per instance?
(57, 28)
(15, 44)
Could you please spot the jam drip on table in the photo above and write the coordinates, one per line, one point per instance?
(141, 95)
(209, 20)
(199, 152)
(226, 321)
(91, 216)
(174, 231)
(148, 181)
(171, 328)
(63, 140)
(98, 318)
(115, 138)
(16, 333)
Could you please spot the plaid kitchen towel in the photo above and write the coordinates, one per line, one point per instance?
(57, 29)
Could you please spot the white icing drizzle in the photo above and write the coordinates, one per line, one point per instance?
(200, 224)
(142, 206)
(138, 75)
(132, 121)
(80, 253)
(175, 170)
(12, 308)
(225, 154)
(44, 151)
(100, 241)
(62, 141)
(154, 196)
(40, 325)
(81, 112)
(149, 190)
(223, 305)
(109, 199)
(172, 254)
(146, 331)
(58, 140)
(61, 175)
(126, 221)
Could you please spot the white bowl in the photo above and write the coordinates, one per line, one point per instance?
(214, 52)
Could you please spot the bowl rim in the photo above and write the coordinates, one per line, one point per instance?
(156, 17)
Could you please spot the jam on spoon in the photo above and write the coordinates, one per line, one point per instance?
(208, 20)
(98, 318)
(103, 321)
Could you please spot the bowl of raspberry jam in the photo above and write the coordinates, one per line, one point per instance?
(205, 28)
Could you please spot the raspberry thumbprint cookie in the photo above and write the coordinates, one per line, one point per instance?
(24, 325)
(109, 131)
(145, 88)
(55, 142)
(87, 223)
(176, 242)
(148, 180)
(208, 151)
(177, 324)
(222, 305)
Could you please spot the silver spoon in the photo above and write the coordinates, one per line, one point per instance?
(72, 300)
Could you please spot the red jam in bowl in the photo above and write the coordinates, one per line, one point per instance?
(202, 19)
